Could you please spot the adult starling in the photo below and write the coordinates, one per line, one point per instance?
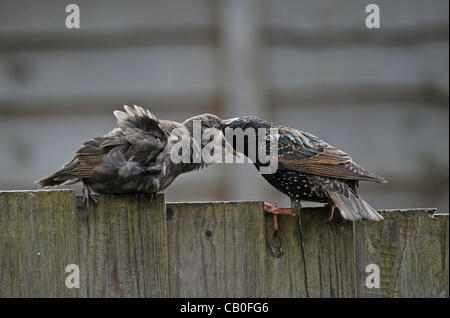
(310, 169)
(132, 158)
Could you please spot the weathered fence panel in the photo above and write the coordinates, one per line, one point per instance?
(329, 254)
(128, 246)
(411, 249)
(38, 239)
(311, 257)
(123, 248)
(285, 261)
(216, 249)
(120, 246)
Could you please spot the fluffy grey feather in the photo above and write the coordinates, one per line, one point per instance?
(132, 158)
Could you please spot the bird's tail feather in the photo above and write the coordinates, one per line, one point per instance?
(51, 180)
(63, 176)
(351, 206)
(58, 178)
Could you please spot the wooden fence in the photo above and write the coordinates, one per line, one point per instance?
(130, 247)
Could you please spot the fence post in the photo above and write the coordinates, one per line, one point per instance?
(411, 249)
(216, 249)
(120, 248)
(130, 247)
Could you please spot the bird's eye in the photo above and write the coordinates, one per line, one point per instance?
(217, 126)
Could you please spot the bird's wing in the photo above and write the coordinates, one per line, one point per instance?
(140, 135)
(303, 152)
(91, 155)
(141, 128)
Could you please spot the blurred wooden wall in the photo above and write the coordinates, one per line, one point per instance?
(379, 94)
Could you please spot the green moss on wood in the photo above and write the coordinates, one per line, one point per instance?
(130, 247)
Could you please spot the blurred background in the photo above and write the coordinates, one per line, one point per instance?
(381, 95)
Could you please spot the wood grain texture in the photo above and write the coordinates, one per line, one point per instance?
(130, 247)
(285, 261)
(329, 254)
(38, 239)
(216, 249)
(123, 247)
(120, 247)
(411, 249)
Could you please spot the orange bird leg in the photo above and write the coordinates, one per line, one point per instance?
(269, 208)
(275, 210)
(332, 206)
(275, 222)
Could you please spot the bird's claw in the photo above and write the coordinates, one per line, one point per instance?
(332, 206)
(269, 208)
(87, 195)
(275, 210)
(93, 197)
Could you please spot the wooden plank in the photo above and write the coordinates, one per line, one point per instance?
(40, 26)
(219, 249)
(358, 67)
(120, 248)
(411, 249)
(38, 239)
(324, 24)
(216, 249)
(329, 254)
(359, 36)
(285, 261)
(102, 16)
(93, 74)
(123, 247)
(329, 16)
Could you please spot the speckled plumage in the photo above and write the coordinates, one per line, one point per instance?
(310, 169)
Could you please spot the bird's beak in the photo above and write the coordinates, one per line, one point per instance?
(225, 122)
(228, 144)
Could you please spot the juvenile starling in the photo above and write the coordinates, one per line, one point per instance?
(310, 169)
(132, 158)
